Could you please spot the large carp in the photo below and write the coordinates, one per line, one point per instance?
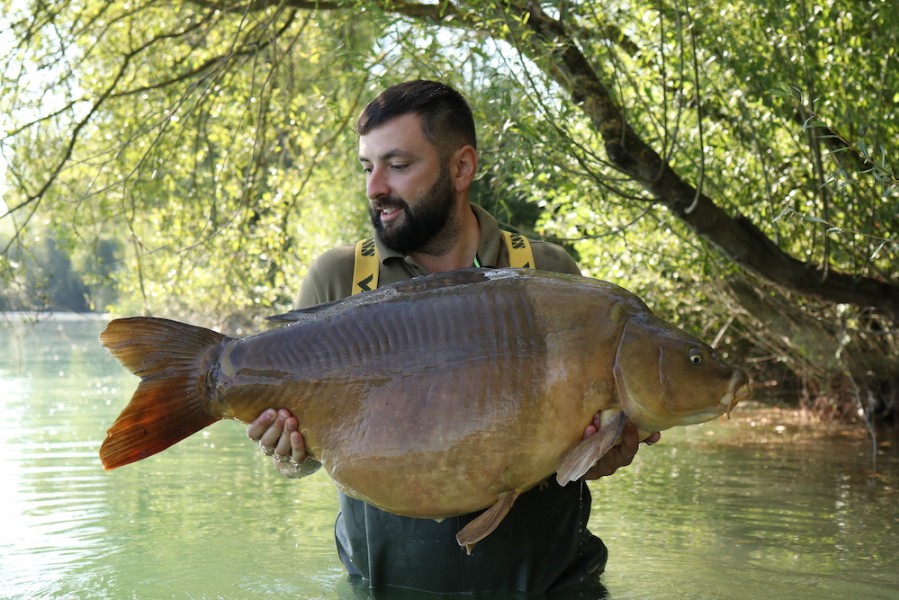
(434, 397)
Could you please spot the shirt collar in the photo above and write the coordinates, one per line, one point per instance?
(491, 240)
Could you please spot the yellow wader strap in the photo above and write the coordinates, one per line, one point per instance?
(366, 266)
(520, 254)
(367, 262)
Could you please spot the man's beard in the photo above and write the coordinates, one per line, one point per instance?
(420, 225)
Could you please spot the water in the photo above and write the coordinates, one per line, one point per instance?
(759, 507)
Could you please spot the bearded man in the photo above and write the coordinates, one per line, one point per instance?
(418, 150)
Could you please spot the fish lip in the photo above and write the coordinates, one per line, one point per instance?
(738, 391)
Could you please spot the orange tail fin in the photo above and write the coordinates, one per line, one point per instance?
(172, 360)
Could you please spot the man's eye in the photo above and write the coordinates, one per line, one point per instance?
(399, 166)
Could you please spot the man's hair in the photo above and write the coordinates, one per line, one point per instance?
(446, 119)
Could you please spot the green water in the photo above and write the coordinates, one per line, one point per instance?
(760, 507)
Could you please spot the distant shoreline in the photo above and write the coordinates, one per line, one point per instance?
(19, 316)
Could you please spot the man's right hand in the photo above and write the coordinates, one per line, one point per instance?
(277, 434)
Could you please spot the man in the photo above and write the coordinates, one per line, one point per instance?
(417, 147)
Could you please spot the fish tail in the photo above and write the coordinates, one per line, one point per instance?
(171, 401)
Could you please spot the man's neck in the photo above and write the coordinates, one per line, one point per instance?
(456, 253)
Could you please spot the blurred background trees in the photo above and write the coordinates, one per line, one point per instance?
(732, 164)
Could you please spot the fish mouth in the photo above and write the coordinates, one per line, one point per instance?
(737, 392)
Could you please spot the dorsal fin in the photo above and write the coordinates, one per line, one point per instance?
(416, 285)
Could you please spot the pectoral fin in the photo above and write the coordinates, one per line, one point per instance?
(577, 461)
(486, 522)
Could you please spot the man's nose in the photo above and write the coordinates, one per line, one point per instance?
(376, 184)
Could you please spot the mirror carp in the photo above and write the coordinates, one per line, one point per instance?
(434, 397)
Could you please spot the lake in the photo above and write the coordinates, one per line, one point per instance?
(762, 506)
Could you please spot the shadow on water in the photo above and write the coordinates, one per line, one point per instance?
(764, 506)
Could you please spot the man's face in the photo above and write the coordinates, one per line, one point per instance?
(409, 187)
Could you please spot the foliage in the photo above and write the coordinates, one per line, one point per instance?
(204, 179)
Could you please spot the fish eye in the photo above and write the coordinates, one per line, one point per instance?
(696, 356)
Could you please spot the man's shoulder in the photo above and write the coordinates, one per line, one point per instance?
(335, 262)
(330, 277)
(549, 256)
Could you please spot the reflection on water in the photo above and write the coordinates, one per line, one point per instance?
(760, 507)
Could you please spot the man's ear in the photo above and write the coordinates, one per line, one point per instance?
(463, 167)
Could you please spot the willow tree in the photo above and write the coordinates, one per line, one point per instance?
(188, 138)
(732, 163)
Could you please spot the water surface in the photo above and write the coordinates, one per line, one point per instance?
(762, 506)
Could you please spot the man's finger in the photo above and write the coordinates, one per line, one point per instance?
(260, 424)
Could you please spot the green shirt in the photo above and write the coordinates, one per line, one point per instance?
(331, 275)
(542, 544)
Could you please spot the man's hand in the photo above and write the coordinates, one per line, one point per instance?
(621, 455)
(277, 434)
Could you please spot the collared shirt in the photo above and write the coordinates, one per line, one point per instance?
(331, 275)
(542, 544)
